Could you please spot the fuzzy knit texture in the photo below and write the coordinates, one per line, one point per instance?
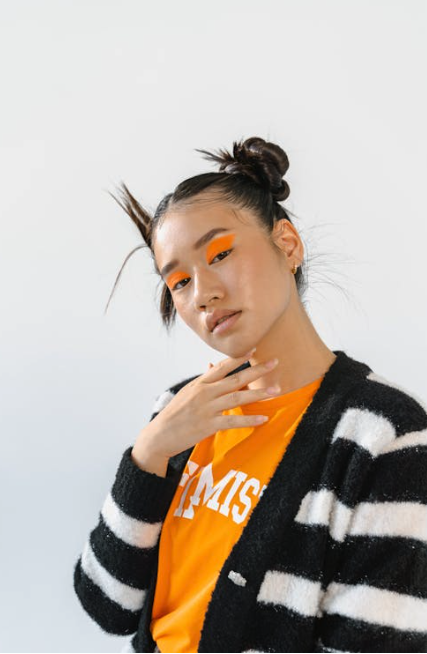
(334, 555)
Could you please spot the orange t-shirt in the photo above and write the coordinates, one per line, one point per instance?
(221, 484)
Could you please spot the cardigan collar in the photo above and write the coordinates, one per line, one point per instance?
(239, 580)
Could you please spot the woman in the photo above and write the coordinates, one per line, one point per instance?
(278, 501)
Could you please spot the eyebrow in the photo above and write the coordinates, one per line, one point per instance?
(197, 245)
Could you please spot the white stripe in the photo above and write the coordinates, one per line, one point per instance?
(407, 519)
(324, 508)
(324, 648)
(410, 439)
(367, 429)
(377, 606)
(161, 401)
(126, 596)
(130, 530)
(128, 647)
(296, 593)
(404, 519)
(382, 380)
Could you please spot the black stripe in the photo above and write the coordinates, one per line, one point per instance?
(398, 476)
(345, 634)
(131, 565)
(107, 614)
(392, 563)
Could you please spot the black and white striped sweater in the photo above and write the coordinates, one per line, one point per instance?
(334, 555)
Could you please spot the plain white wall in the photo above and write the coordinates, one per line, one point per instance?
(95, 92)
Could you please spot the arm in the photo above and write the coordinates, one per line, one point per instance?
(113, 573)
(377, 599)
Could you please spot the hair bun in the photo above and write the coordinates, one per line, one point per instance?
(264, 162)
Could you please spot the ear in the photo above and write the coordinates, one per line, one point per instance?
(286, 237)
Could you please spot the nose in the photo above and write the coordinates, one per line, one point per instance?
(206, 285)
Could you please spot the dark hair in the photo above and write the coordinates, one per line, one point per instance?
(249, 178)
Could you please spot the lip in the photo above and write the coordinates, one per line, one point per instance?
(225, 325)
(212, 318)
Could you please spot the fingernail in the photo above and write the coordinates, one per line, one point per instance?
(250, 352)
(260, 419)
(272, 363)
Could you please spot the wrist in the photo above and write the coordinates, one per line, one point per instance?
(146, 456)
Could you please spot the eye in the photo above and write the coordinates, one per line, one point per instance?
(223, 252)
(226, 252)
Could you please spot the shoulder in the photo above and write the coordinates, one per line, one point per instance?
(384, 396)
(382, 415)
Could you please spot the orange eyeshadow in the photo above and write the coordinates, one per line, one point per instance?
(214, 248)
(217, 245)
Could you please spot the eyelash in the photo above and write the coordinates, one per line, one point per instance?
(182, 280)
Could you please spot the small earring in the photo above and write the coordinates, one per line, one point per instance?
(294, 269)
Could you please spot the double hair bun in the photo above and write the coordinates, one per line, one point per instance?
(264, 162)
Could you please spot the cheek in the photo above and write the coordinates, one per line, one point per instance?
(182, 309)
(264, 284)
(251, 282)
(258, 274)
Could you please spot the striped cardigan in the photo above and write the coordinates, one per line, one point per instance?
(334, 555)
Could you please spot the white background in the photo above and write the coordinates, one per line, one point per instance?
(96, 92)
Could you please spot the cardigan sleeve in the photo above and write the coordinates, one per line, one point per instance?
(377, 598)
(114, 570)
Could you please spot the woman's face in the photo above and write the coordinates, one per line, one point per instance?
(238, 269)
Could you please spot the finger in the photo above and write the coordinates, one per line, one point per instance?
(227, 365)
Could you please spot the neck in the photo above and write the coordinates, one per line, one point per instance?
(303, 356)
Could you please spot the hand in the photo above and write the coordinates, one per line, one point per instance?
(195, 412)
